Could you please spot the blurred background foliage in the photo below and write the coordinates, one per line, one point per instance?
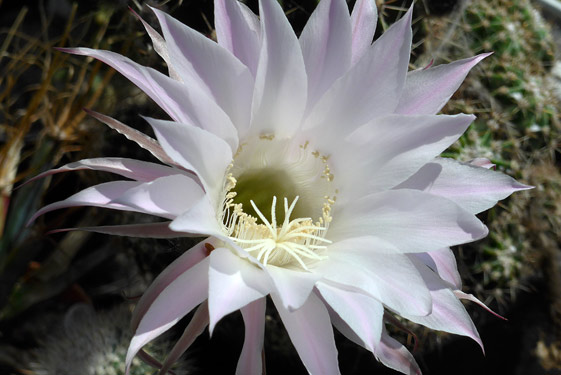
(59, 291)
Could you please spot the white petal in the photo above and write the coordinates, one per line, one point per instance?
(197, 58)
(326, 46)
(131, 168)
(196, 149)
(311, 333)
(410, 220)
(238, 30)
(251, 357)
(448, 314)
(141, 139)
(281, 83)
(233, 283)
(443, 262)
(293, 287)
(371, 88)
(482, 162)
(199, 219)
(174, 302)
(185, 102)
(196, 326)
(470, 297)
(101, 195)
(167, 196)
(474, 188)
(364, 19)
(388, 350)
(150, 230)
(363, 314)
(159, 45)
(427, 90)
(187, 260)
(389, 150)
(390, 278)
(396, 356)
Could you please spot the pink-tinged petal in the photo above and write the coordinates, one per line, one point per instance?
(396, 356)
(483, 163)
(179, 266)
(233, 283)
(448, 314)
(472, 298)
(310, 331)
(393, 148)
(443, 262)
(388, 351)
(101, 195)
(293, 287)
(410, 220)
(238, 30)
(196, 326)
(184, 102)
(130, 168)
(176, 300)
(167, 197)
(357, 97)
(166, 92)
(363, 19)
(343, 327)
(151, 230)
(134, 135)
(363, 314)
(390, 278)
(279, 98)
(474, 188)
(195, 149)
(149, 360)
(251, 357)
(200, 219)
(427, 90)
(201, 61)
(159, 45)
(326, 46)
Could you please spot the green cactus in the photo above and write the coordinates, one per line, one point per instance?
(517, 122)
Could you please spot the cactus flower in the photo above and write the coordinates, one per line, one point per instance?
(310, 167)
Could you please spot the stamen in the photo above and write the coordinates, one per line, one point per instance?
(262, 217)
(295, 240)
(290, 242)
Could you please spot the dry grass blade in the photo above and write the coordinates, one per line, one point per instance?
(42, 93)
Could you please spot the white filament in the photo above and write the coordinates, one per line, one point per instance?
(297, 240)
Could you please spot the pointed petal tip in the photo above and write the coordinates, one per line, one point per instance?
(73, 50)
(409, 14)
(477, 339)
(66, 49)
(483, 55)
(136, 14)
(470, 297)
(212, 322)
(60, 230)
(518, 186)
(471, 62)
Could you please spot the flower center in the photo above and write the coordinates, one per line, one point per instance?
(289, 237)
